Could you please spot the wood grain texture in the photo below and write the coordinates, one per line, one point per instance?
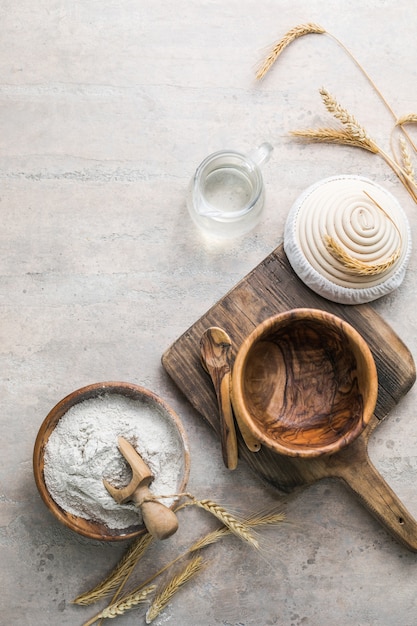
(94, 529)
(270, 288)
(215, 347)
(304, 382)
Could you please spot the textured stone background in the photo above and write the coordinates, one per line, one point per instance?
(106, 109)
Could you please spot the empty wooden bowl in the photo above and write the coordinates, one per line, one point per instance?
(305, 383)
(91, 528)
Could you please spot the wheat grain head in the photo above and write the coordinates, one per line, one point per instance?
(289, 37)
(355, 266)
(406, 159)
(237, 527)
(173, 585)
(411, 118)
(331, 135)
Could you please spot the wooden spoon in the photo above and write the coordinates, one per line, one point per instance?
(216, 347)
(160, 521)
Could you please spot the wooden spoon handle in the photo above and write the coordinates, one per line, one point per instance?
(368, 484)
(215, 348)
(160, 521)
(228, 433)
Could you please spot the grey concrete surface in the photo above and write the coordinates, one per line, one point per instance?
(106, 109)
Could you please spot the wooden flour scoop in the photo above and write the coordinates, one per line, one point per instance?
(160, 521)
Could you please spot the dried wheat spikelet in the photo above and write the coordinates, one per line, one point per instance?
(331, 135)
(406, 159)
(124, 568)
(352, 133)
(235, 526)
(174, 584)
(352, 126)
(118, 575)
(265, 519)
(411, 118)
(337, 110)
(119, 608)
(289, 37)
(355, 266)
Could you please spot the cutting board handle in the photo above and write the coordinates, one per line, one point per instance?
(366, 482)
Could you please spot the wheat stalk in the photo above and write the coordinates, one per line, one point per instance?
(119, 574)
(305, 29)
(173, 585)
(265, 519)
(406, 159)
(411, 118)
(125, 566)
(269, 518)
(289, 37)
(119, 608)
(238, 528)
(403, 174)
(352, 126)
(352, 133)
(357, 266)
(331, 135)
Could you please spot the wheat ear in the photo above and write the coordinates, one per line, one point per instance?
(119, 608)
(289, 37)
(411, 118)
(119, 574)
(305, 29)
(354, 134)
(352, 126)
(406, 159)
(331, 135)
(268, 518)
(170, 589)
(356, 266)
(238, 528)
(265, 519)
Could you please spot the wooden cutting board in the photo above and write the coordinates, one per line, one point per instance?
(270, 288)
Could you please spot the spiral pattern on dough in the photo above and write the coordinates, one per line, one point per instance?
(362, 220)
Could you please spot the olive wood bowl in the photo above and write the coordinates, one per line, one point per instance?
(87, 527)
(305, 383)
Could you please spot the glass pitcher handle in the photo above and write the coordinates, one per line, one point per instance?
(261, 154)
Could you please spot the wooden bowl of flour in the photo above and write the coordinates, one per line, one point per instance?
(76, 447)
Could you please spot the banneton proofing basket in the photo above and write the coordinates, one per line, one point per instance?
(348, 239)
(304, 383)
(88, 527)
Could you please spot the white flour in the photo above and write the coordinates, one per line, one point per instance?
(82, 450)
